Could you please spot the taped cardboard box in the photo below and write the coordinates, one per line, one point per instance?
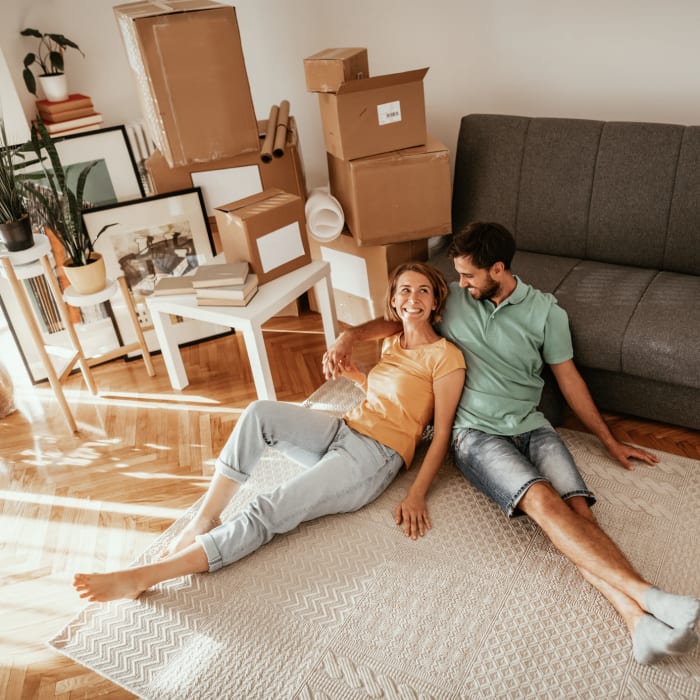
(268, 230)
(375, 115)
(359, 275)
(187, 60)
(229, 179)
(327, 70)
(397, 196)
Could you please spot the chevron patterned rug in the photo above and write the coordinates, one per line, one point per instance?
(347, 608)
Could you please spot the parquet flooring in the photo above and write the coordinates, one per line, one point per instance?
(144, 454)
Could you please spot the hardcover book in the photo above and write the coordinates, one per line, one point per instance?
(58, 127)
(235, 292)
(204, 301)
(74, 101)
(173, 285)
(59, 117)
(220, 274)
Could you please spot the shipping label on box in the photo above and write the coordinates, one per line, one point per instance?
(268, 230)
(327, 70)
(376, 115)
(188, 63)
(397, 196)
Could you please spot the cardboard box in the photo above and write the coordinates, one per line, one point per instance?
(187, 60)
(360, 275)
(327, 70)
(229, 179)
(268, 230)
(397, 196)
(375, 115)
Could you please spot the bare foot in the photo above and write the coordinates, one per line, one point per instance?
(197, 526)
(110, 586)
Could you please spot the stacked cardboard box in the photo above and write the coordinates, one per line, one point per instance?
(390, 176)
(187, 59)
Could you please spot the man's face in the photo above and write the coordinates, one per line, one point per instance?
(477, 281)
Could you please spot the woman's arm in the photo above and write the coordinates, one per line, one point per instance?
(412, 512)
(339, 354)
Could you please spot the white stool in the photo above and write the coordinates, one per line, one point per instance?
(22, 265)
(73, 298)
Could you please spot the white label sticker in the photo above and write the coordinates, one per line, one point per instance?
(280, 246)
(348, 272)
(389, 112)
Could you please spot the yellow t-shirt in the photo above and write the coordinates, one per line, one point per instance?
(400, 400)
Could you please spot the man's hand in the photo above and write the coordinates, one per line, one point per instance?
(413, 514)
(338, 357)
(624, 453)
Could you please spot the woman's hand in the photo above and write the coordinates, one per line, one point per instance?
(412, 513)
(338, 356)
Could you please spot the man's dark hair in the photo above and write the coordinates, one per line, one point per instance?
(485, 243)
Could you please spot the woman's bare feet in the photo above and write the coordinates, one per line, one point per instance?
(103, 587)
(197, 526)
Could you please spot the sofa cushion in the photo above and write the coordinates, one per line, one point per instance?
(632, 193)
(662, 341)
(487, 169)
(682, 253)
(555, 185)
(544, 272)
(600, 300)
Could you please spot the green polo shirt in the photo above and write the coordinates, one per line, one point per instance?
(505, 348)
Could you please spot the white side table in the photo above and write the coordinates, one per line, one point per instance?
(270, 298)
(22, 265)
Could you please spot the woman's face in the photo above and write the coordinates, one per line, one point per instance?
(414, 298)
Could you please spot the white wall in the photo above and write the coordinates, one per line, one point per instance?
(603, 59)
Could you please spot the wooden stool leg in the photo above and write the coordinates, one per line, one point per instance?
(137, 326)
(68, 323)
(39, 342)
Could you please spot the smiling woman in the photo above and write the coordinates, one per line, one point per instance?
(348, 462)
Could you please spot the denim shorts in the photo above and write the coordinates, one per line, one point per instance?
(504, 467)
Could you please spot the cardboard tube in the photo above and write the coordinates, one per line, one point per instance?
(281, 130)
(266, 150)
(324, 215)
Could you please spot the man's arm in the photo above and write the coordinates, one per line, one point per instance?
(339, 355)
(579, 399)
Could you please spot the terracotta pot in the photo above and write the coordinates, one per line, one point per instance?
(55, 87)
(87, 279)
(17, 235)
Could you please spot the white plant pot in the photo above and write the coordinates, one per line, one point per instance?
(55, 87)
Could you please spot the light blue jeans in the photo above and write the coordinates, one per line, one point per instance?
(504, 467)
(343, 471)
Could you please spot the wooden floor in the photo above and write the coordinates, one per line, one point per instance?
(95, 500)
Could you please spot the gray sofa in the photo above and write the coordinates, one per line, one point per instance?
(606, 216)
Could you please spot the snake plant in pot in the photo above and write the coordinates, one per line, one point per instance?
(15, 226)
(61, 210)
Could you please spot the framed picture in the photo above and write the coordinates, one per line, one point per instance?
(164, 235)
(114, 179)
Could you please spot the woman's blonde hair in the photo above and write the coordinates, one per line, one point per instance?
(436, 279)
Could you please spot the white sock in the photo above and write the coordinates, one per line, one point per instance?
(653, 640)
(680, 611)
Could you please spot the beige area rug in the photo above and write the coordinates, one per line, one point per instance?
(347, 608)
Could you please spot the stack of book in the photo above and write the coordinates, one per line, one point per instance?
(224, 284)
(70, 116)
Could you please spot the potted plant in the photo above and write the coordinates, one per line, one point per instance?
(15, 226)
(49, 56)
(61, 209)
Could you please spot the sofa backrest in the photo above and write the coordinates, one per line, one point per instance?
(617, 192)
